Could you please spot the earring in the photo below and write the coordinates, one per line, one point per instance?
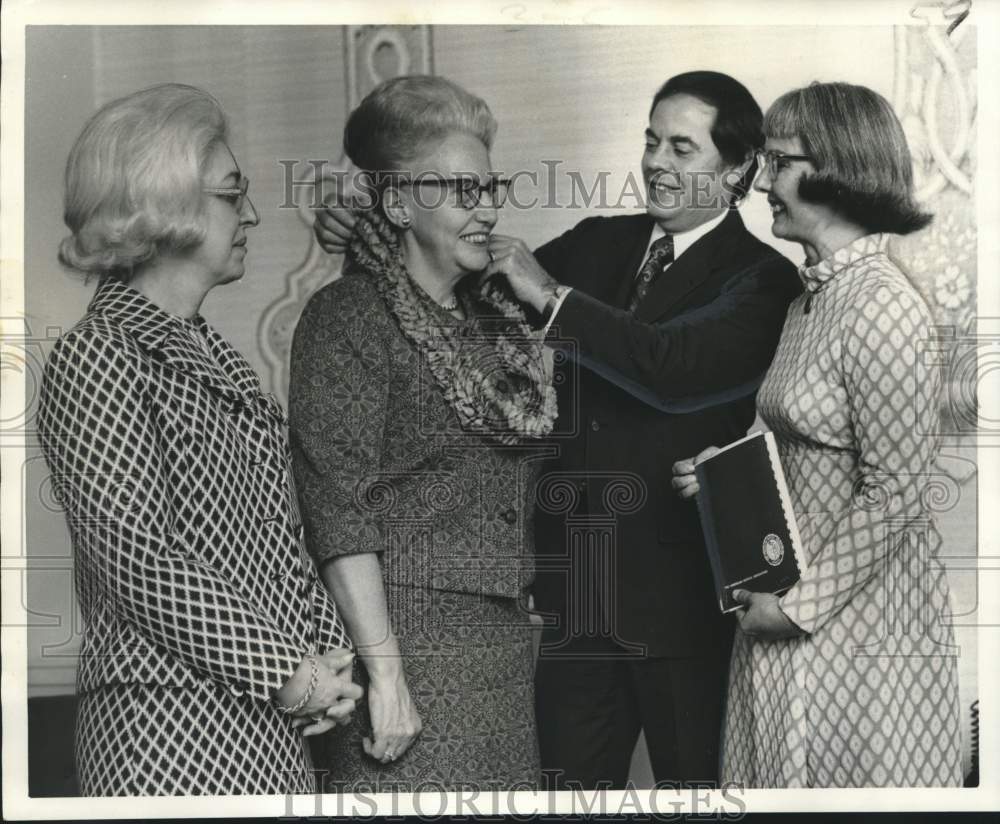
(405, 220)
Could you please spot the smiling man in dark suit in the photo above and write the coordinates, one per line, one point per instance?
(673, 317)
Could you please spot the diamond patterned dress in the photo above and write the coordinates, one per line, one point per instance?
(198, 597)
(868, 696)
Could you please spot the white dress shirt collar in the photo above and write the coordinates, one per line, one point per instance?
(684, 240)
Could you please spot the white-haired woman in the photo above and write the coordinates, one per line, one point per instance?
(849, 678)
(207, 637)
(415, 400)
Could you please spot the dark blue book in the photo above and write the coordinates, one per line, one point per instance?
(746, 514)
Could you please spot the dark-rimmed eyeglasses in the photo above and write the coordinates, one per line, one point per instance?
(468, 190)
(774, 161)
(236, 195)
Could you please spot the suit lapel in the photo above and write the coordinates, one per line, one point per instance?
(175, 342)
(233, 364)
(181, 351)
(691, 269)
(225, 371)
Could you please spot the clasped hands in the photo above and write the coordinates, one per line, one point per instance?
(334, 698)
(760, 616)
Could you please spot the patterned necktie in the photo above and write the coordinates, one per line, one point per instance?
(661, 254)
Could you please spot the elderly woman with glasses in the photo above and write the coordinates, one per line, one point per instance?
(207, 636)
(849, 678)
(417, 397)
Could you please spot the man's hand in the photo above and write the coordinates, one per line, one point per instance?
(511, 258)
(761, 617)
(333, 227)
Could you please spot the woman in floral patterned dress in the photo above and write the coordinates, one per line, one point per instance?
(849, 679)
(415, 399)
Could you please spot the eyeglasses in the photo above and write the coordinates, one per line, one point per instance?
(774, 162)
(236, 195)
(468, 190)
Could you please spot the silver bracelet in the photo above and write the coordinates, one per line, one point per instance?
(313, 683)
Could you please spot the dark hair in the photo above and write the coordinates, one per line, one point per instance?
(863, 165)
(401, 117)
(737, 132)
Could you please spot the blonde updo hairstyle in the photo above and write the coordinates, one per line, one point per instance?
(134, 179)
(401, 119)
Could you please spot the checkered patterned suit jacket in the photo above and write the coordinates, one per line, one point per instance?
(189, 559)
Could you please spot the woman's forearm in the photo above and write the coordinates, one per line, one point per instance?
(355, 581)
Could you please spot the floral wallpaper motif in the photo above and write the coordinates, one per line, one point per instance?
(935, 98)
(945, 267)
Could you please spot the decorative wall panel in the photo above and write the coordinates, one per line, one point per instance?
(373, 54)
(935, 98)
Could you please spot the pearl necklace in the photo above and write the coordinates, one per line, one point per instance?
(449, 305)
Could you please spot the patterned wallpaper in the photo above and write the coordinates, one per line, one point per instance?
(935, 97)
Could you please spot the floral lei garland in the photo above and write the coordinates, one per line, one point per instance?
(498, 384)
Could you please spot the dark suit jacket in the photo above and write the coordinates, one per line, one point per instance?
(639, 393)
